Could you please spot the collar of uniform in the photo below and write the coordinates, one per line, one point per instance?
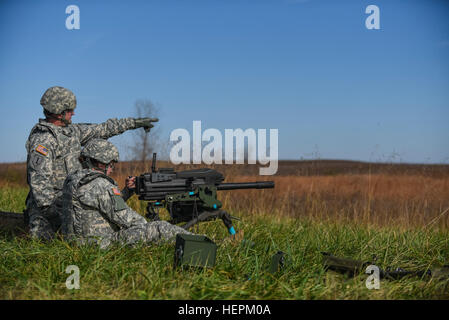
(92, 174)
(67, 130)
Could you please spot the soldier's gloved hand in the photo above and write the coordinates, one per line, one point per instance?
(130, 183)
(130, 188)
(145, 123)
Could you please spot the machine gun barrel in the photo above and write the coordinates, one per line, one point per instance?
(246, 185)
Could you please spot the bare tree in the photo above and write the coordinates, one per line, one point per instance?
(145, 143)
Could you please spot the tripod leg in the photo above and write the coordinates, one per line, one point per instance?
(205, 216)
(227, 221)
(211, 215)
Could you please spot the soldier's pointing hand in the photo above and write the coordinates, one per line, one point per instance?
(145, 123)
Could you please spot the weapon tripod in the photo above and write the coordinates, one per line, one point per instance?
(205, 215)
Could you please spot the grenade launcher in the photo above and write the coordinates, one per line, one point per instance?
(189, 196)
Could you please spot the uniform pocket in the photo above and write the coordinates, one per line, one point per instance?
(60, 173)
(119, 203)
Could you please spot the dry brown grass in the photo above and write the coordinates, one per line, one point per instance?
(383, 200)
(12, 174)
(406, 196)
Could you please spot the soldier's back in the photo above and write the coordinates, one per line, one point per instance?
(85, 193)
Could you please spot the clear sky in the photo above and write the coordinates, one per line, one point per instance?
(311, 69)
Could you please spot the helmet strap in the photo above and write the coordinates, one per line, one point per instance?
(88, 163)
(109, 165)
(103, 170)
(64, 120)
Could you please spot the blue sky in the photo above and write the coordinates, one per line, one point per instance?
(311, 69)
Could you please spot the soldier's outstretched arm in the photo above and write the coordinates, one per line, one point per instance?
(112, 127)
(40, 170)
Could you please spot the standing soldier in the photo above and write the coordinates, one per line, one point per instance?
(94, 210)
(53, 148)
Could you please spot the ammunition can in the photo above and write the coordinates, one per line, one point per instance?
(195, 251)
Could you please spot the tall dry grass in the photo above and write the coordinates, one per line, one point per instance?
(406, 196)
(382, 200)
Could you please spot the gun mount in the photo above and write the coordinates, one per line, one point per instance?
(189, 196)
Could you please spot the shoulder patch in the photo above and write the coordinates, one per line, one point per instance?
(42, 150)
(116, 191)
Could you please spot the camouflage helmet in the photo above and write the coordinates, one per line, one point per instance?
(100, 150)
(58, 99)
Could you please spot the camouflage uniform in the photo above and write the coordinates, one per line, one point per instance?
(95, 212)
(53, 153)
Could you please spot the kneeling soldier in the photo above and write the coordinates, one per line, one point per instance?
(94, 209)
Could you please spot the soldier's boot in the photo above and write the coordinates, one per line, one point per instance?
(43, 224)
(40, 228)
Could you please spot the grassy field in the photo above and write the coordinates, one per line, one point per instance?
(398, 214)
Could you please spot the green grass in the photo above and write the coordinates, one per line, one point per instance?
(12, 198)
(33, 270)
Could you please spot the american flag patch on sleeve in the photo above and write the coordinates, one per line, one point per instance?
(116, 191)
(42, 150)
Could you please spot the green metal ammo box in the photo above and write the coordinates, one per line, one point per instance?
(194, 250)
